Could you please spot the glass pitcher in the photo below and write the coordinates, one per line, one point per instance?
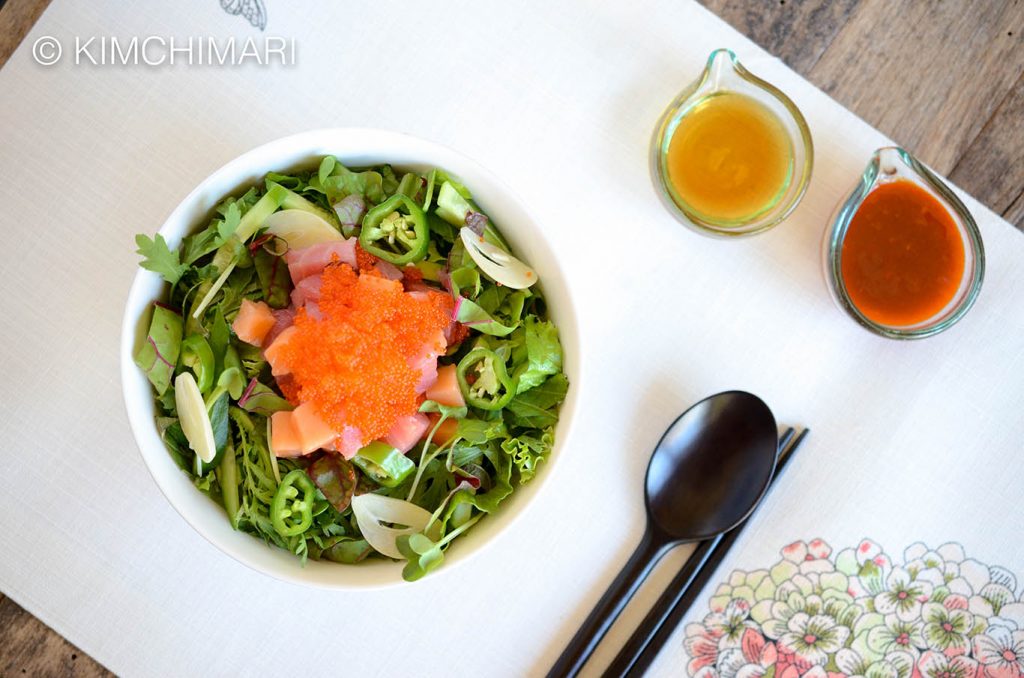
(724, 74)
(887, 165)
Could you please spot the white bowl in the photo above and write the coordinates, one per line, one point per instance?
(355, 148)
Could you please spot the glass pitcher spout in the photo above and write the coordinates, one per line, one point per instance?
(721, 67)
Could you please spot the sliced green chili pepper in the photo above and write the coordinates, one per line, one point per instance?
(396, 231)
(384, 464)
(484, 381)
(197, 355)
(289, 514)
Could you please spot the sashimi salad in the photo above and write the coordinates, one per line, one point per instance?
(352, 363)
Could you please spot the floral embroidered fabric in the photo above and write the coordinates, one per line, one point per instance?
(938, 614)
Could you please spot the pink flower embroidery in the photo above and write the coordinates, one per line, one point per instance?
(819, 549)
(796, 552)
(815, 614)
(702, 646)
(753, 659)
(937, 665)
(1001, 652)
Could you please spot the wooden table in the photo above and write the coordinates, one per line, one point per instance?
(945, 79)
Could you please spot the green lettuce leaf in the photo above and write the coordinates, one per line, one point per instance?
(501, 486)
(341, 182)
(543, 351)
(527, 451)
(472, 315)
(479, 431)
(538, 407)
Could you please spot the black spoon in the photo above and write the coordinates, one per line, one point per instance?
(668, 611)
(707, 473)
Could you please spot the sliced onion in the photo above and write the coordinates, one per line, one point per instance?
(300, 228)
(498, 264)
(371, 510)
(195, 420)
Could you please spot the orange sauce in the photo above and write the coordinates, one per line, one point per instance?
(902, 256)
(730, 158)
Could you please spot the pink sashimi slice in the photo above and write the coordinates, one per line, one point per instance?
(416, 286)
(306, 290)
(427, 366)
(407, 431)
(425, 362)
(349, 442)
(389, 270)
(283, 319)
(312, 260)
(313, 311)
(419, 294)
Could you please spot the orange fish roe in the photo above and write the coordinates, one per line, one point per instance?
(354, 363)
(458, 333)
(364, 259)
(289, 388)
(412, 274)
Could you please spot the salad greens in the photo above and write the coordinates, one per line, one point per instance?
(382, 503)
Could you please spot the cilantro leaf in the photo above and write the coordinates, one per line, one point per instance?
(226, 228)
(159, 258)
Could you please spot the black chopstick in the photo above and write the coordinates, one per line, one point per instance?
(643, 646)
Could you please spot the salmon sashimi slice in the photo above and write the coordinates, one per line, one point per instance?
(253, 322)
(445, 432)
(284, 439)
(273, 352)
(445, 390)
(313, 432)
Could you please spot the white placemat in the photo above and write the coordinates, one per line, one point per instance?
(911, 441)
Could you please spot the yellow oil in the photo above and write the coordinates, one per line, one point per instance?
(730, 158)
